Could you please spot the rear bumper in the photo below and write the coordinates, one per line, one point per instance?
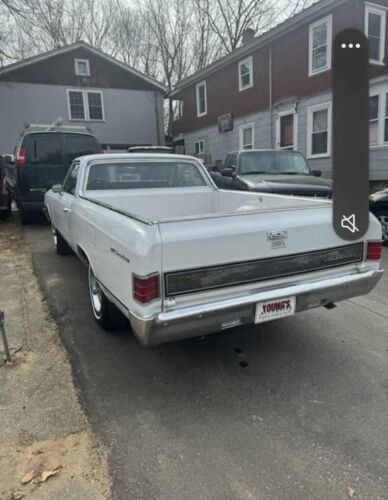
(215, 316)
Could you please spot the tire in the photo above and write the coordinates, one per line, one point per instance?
(105, 313)
(382, 216)
(6, 214)
(60, 243)
(25, 216)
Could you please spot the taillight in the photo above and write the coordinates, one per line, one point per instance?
(21, 157)
(373, 250)
(145, 288)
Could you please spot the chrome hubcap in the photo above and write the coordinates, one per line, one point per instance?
(95, 293)
(383, 219)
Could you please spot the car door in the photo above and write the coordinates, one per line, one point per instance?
(65, 202)
(45, 161)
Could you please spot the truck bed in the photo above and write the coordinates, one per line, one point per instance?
(165, 205)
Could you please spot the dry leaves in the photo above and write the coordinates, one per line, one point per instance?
(351, 492)
(28, 477)
(46, 474)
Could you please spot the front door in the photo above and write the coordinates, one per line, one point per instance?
(286, 130)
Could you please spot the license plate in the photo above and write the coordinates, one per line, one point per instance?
(275, 309)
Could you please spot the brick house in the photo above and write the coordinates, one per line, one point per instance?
(84, 86)
(275, 90)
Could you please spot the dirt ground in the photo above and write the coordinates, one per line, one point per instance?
(47, 450)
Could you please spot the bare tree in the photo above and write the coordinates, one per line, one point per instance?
(49, 24)
(228, 19)
(133, 41)
(8, 9)
(205, 44)
(170, 22)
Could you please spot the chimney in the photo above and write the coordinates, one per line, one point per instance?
(248, 35)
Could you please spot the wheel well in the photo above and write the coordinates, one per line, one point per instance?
(83, 257)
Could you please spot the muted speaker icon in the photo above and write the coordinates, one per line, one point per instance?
(349, 223)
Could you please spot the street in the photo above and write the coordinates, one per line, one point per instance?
(293, 409)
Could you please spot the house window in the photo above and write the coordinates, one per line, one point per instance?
(378, 116)
(286, 130)
(95, 106)
(320, 35)
(245, 73)
(85, 105)
(82, 67)
(374, 119)
(319, 130)
(76, 105)
(200, 147)
(247, 133)
(375, 19)
(201, 98)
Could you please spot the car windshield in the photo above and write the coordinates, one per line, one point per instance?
(140, 175)
(273, 162)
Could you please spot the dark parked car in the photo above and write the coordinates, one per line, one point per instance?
(42, 158)
(6, 186)
(271, 171)
(378, 205)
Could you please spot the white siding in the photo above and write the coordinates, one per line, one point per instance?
(218, 145)
(130, 115)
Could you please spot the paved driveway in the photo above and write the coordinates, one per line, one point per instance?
(294, 409)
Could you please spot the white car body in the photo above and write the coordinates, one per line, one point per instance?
(208, 246)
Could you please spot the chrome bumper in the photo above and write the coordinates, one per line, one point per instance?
(212, 317)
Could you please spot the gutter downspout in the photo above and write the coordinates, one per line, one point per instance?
(157, 116)
(270, 92)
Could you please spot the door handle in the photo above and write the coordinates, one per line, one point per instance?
(66, 210)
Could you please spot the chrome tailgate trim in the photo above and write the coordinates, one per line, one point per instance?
(239, 273)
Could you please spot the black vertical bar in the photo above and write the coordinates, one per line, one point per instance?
(350, 134)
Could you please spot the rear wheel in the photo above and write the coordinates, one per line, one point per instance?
(105, 313)
(382, 217)
(5, 214)
(25, 216)
(60, 243)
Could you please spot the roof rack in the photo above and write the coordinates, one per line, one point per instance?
(56, 126)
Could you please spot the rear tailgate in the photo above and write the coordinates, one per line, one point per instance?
(211, 253)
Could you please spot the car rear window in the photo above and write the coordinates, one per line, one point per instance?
(144, 175)
(46, 149)
(79, 145)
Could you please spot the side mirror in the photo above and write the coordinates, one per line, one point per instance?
(317, 173)
(57, 188)
(229, 172)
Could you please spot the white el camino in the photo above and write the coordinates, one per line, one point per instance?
(181, 258)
